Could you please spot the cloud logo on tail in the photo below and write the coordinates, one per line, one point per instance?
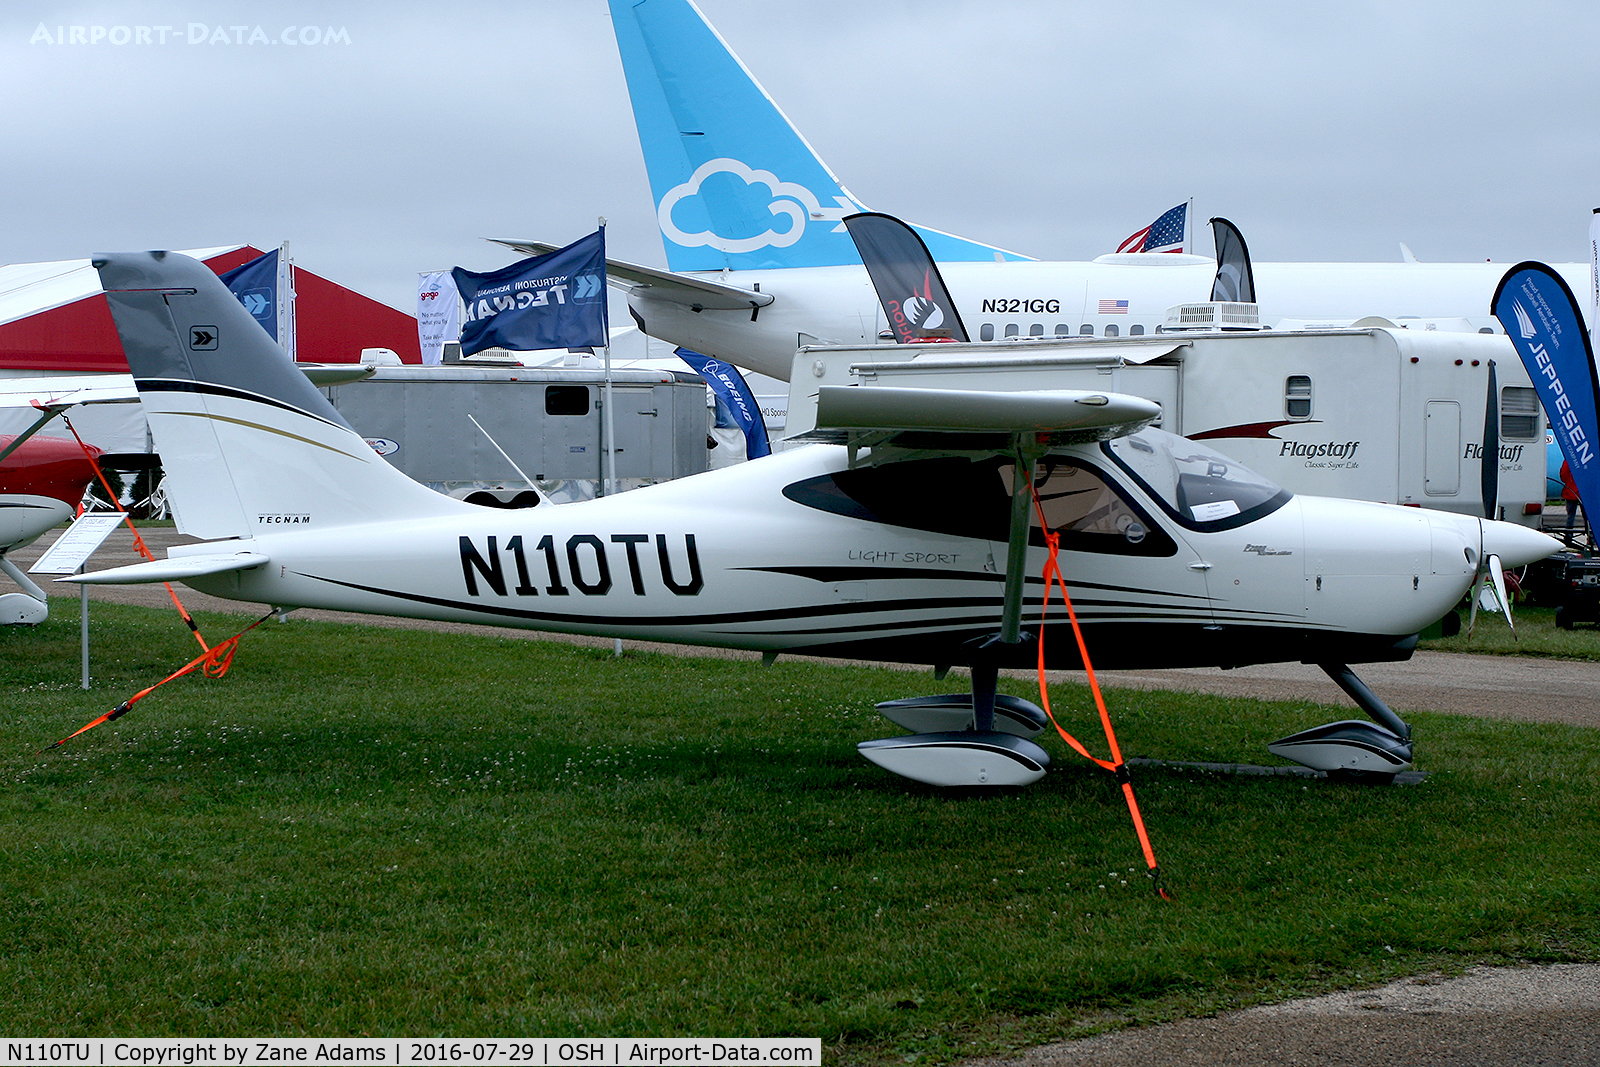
(792, 207)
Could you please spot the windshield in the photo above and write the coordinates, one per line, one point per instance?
(1200, 487)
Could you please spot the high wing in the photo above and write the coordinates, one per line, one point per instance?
(67, 390)
(696, 294)
(1066, 416)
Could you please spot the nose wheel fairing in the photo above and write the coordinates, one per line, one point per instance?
(1376, 750)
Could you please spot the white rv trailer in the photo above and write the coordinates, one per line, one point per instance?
(1375, 413)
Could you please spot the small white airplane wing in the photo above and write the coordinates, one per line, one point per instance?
(1067, 415)
(696, 293)
(67, 390)
(174, 569)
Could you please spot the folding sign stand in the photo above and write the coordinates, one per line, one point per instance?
(71, 550)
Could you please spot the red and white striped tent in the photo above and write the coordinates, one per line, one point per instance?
(54, 318)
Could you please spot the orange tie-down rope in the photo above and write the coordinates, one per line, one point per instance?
(138, 542)
(213, 663)
(1052, 576)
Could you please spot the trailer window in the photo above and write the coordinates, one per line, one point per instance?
(1519, 412)
(1297, 396)
(1202, 489)
(566, 400)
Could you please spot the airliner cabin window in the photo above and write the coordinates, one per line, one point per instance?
(1111, 329)
(1136, 330)
(986, 333)
(1087, 329)
(1036, 330)
(1063, 330)
(1297, 396)
(1201, 488)
(1011, 329)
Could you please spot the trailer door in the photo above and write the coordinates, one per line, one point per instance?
(1441, 457)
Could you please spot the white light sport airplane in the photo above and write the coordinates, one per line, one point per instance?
(904, 544)
(760, 261)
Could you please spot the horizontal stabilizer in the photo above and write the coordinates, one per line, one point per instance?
(1075, 413)
(175, 569)
(656, 284)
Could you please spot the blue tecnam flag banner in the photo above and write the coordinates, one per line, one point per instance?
(729, 384)
(557, 300)
(1541, 317)
(256, 285)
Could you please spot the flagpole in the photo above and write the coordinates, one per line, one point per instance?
(286, 330)
(611, 437)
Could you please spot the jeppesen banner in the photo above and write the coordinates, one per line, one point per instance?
(1541, 317)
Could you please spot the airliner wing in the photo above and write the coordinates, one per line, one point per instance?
(1067, 415)
(695, 293)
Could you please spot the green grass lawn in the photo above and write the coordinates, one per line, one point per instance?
(364, 830)
(1536, 635)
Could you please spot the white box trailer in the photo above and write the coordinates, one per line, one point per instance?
(1367, 413)
(547, 419)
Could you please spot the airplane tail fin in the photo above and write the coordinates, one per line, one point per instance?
(736, 186)
(248, 444)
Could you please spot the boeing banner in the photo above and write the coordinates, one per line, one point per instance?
(908, 284)
(734, 391)
(1541, 317)
(256, 285)
(557, 300)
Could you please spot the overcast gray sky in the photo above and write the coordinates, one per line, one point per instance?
(1328, 131)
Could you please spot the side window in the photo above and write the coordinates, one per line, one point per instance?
(566, 400)
(986, 332)
(1519, 412)
(1090, 513)
(1111, 329)
(1036, 330)
(1136, 330)
(1063, 330)
(965, 498)
(1297, 396)
(1011, 329)
(1087, 329)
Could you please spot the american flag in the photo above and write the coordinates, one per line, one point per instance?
(1113, 307)
(1163, 235)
